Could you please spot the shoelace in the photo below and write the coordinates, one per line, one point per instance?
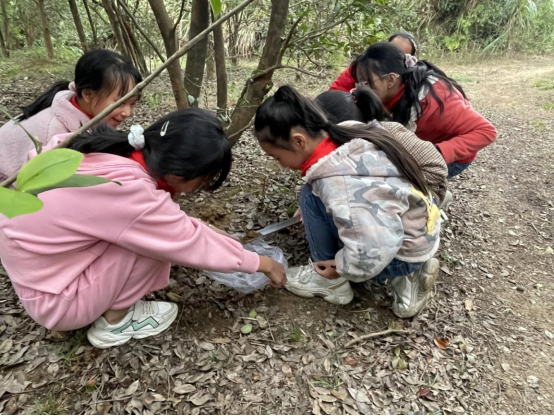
(143, 308)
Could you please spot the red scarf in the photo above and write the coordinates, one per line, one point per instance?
(321, 150)
(396, 98)
(74, 102)
(137, 156)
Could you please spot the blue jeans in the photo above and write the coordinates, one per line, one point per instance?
(323, 236)
(455, 168)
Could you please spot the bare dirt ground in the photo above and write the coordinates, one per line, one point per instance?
(483, 345)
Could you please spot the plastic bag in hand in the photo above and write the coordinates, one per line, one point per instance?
(248, 283)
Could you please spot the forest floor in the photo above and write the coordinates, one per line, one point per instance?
(483, 345)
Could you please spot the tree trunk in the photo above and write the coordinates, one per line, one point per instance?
(131, 41)
(46, 30)
(220, 70)
(196, 59)
(234, 26)
(167, 31)
(261, 82)
(92, 26)
(78, 24)
(7, 36)
(5, 51)
(108, 6)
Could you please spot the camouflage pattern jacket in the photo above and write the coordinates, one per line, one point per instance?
(379, 214)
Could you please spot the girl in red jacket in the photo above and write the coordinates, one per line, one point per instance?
(421, 97)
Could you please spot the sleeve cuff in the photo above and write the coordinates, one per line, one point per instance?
(250, 262)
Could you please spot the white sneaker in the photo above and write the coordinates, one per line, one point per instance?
(305, 282)
(144, 319)
(412, 292)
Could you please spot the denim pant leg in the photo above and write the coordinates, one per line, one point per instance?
(397, 268)
(455, 168)
(321, 231)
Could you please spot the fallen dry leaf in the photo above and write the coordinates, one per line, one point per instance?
(287, 371)
(442, 343)
(469, 304)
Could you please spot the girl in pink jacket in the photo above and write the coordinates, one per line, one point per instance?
(91, 254)
(101, 78)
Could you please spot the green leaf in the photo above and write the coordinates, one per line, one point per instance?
(191, 99)
(253, 314)
(397, 351)
(13, 203)
(48, 169)
(75, 181)
(216, 7)
(246, 329)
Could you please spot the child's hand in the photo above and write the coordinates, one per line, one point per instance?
(298, 214)
(274, 270)
(327, 269)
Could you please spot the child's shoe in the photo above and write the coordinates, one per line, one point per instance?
(412, 292)
(305, 282)
(144, 319)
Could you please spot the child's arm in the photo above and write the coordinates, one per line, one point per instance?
(344, 82)
(470, 130)
(164, 232)
(369, 226)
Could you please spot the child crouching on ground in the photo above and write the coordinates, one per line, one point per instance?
(367, 209)
(90, 254)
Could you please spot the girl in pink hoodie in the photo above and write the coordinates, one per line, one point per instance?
(91, 254)
(101, 78)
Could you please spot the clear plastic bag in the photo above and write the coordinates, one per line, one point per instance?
(249, 283)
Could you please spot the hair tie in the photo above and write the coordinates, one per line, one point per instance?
(72, 87)
(136, 137)
(410, 61)
(327, 126)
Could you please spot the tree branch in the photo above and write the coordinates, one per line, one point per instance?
(321, 31)
(289, 37)
(142, 32)
(180, 16)
(139, 87)
(279, 66)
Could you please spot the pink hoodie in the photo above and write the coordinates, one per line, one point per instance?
(61, 117)
(46, 251)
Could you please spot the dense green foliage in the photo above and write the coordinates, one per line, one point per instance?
(441, 25)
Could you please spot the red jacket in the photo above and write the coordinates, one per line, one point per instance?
(459, 131)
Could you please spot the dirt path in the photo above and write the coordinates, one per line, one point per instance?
(494, 302)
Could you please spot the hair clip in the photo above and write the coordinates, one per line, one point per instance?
(164, 128)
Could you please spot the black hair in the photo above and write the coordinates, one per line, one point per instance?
(362, 105)
(288, 109)
(409, 37)
(194, 146)
(385, 58)
(97, 70)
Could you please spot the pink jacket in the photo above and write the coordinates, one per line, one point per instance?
(46, 251)
(61, 117)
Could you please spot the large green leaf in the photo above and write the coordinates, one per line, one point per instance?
(216, 7)
(13, 203)
(48, 169)
(75, 181)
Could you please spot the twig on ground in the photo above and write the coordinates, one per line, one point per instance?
(377, 334)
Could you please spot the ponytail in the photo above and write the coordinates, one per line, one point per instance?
(44, 101)
(362, 105)
(189, 143)
(288, 109)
